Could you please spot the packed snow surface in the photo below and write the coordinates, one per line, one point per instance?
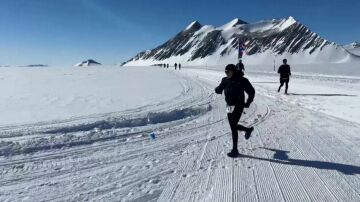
(305, 146)
(31, 95)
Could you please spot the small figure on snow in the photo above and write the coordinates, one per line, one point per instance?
(152, 135)
(175, 66)
(285, 73)
(240, 67)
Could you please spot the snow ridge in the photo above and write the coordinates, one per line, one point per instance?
(264, 40)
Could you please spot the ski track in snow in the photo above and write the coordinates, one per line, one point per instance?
(294, 154)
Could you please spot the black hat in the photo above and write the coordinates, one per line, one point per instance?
(231, 67)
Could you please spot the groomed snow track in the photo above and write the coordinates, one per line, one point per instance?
(294, 154)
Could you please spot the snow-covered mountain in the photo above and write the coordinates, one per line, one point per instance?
(265, 41)
(353, 48)
(87, 63)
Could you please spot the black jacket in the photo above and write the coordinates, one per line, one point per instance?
(234, 89)
(240, 67)
(284, 71)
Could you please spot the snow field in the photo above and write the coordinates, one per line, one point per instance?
(296, 153)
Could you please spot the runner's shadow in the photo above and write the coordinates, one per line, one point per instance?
(323, 94)
(281, 157)
(265, 82)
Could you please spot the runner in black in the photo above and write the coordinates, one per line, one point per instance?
(285, 73)
(234, 85)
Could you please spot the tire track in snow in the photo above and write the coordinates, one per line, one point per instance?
(288, 180)
(101, 148)
(188, 162)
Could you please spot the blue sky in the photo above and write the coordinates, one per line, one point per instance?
(64, 32)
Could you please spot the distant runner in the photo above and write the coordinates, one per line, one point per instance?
(240, 67)
(285, 73)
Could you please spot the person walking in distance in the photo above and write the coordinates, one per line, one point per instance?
(179, 66)
(234, 85)
(285, 73)
(175, 66)
(240, 67)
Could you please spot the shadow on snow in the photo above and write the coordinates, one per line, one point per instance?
(281, 157)
(322, 94)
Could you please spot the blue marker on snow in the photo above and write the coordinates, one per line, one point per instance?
(153, 136)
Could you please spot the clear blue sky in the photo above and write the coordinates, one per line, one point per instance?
(64, 32)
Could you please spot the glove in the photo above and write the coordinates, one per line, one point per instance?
(218, 91)
(247, 105)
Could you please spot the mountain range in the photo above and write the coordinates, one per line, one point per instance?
(264, 42)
